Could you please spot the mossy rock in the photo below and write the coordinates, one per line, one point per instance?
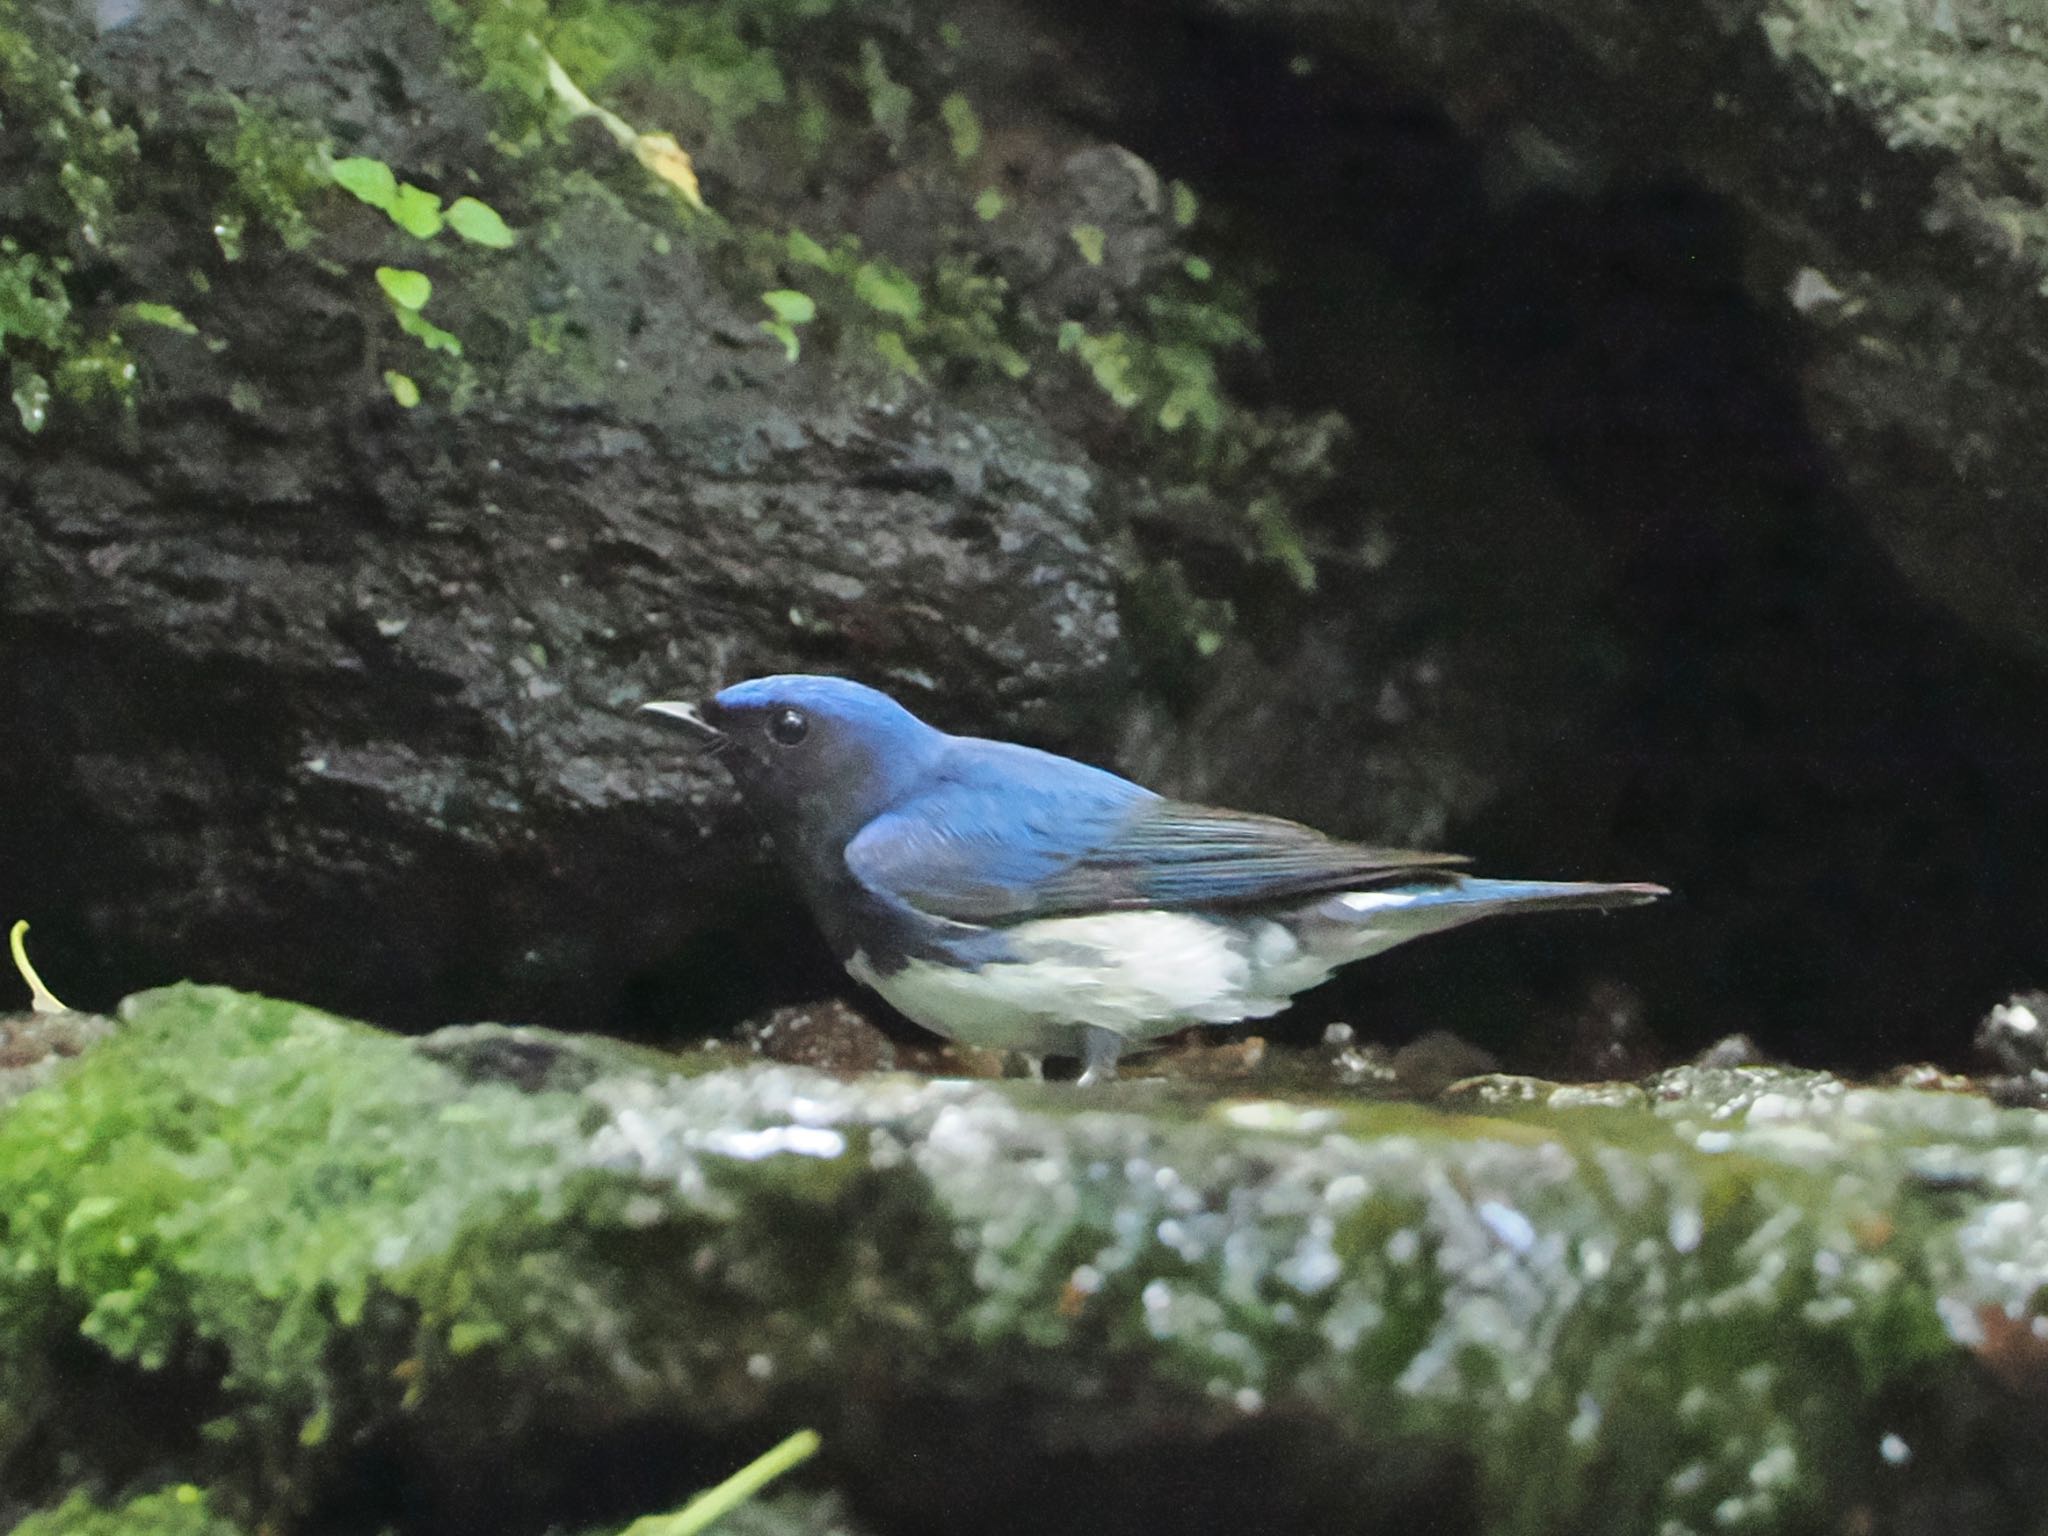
(483, 1263)
(181, 1511)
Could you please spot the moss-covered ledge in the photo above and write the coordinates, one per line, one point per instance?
(461, 1283)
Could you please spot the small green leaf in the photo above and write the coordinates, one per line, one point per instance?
(791, 306)
(1088, 240)
(102, 370)
(370, 180)
(1186, 206)
(1108, 359)
(889, 102)
(408, 289)
(413, 323)
(478, 222)
(415, 211)
(1198, 269)
(813, 123)
(403, 390)
(784, 332)
(885, 287)
(466, 1338)
(890, 347)
(31, 398)
(165, 315)
(1280, 540)
(990, 204)
(806, 250)
(89, 1210)
(957, 112)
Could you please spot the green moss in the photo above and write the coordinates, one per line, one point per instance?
(744, 84)
(65, 213)
(93, 156)
(734, 78)
(181, 1511)
(1965, 81)
(722, 58)
(1676, 1314)
(275, 168)
(201, 1188)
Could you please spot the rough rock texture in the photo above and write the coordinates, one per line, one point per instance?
(1540, 255)
(1887, 163)
(467, 1283)
(319, 684)
(1600, 372)
(35, 1046)
(331, 697)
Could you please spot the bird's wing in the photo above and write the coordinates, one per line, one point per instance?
(996, 849)
(1172, 854)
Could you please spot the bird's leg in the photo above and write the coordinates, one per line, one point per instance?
(1099, 1051)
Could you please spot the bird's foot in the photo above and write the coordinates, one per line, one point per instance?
(1100, 1049)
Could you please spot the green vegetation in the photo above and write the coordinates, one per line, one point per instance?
(184, 1510)
(791, 309)
(180, 1511)
(867, 306)
(840, 91)
(52, 350)
(276, 170)
(40, 998)
(71, 222)
(962, 125)
(715, 1503)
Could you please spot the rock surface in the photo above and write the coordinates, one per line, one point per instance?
(304, 662)
(1479, 427)
(468, 1284)
(1886, 164)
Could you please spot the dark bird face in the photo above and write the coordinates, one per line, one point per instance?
(816, 758)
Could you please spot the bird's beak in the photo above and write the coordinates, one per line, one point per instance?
(685, 718)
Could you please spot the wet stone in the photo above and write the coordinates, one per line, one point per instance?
(1702, 1307)
(34, 1046)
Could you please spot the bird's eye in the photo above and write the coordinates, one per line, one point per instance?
(787, 727)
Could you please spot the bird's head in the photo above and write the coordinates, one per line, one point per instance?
(819, 755)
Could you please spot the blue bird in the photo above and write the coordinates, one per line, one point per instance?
(1006, 897)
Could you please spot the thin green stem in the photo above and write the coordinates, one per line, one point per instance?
(716, 1503)
(41, 998)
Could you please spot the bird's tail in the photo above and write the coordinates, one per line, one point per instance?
(1360, 923)
(1538, 895)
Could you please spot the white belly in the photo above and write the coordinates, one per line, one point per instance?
(1140, 974)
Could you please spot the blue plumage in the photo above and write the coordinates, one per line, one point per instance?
(1011, 897)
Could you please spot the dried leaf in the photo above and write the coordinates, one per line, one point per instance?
(661, 154)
